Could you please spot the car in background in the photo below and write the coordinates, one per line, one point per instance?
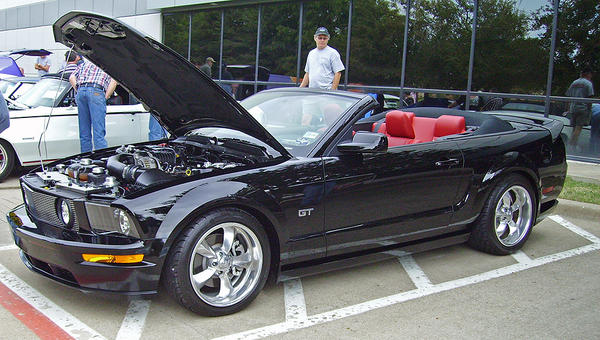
(44, 124)
(14, 87)
(289, 182)
(558, 111)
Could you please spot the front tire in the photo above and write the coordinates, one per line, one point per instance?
(506, 219)
(219, 264)
(7, 159)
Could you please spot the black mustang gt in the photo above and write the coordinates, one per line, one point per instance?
(287, 183)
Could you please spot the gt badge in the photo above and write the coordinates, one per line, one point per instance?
(305, 212)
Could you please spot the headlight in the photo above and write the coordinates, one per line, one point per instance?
(104, 218)
(124, 222)
(64, 212)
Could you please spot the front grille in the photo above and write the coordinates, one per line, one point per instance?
(43, 207)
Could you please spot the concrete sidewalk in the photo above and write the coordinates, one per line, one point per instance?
(584, 172)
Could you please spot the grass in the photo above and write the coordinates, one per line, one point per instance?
(580, 191)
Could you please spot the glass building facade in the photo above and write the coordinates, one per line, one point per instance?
(481, 54)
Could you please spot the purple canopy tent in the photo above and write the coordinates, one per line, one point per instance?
(9, 66)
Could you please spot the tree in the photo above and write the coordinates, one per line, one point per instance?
(577, 41)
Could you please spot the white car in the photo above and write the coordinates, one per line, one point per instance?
(50, 106)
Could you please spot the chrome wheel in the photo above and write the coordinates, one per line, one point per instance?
(514, 215)
(2, 159)
(7, 159)
(225, 265)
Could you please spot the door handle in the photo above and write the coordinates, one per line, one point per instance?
(448, 162)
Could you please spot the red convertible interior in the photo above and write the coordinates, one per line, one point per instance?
(404, 128)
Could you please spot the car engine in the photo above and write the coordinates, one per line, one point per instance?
(133, 167)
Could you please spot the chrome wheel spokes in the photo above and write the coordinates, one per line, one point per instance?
(225, 264)
(514, 215)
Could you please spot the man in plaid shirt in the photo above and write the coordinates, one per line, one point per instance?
(93, 88)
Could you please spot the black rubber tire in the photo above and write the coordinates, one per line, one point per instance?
(176, 269)
(483, 235)
(9, 159)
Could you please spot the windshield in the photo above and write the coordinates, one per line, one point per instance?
(297, 120)
(229, 134)
(47, 92)
(7, 87)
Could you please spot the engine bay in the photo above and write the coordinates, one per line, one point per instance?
(133, 167)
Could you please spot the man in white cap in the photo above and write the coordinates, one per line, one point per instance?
(323, 66)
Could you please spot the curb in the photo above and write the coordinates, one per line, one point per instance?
(577, 209)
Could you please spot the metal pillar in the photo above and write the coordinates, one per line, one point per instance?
(350, 6)
(551, 61)
(472, 55)
(221, 44)
(257, 48)
(189, 56)
(299, 57)
(404, 50)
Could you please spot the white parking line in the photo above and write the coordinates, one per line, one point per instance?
(295, 306)
(521, 257)
(364, 307)
(590, 237)
(414, 271)
(70, 324)
(135, 318)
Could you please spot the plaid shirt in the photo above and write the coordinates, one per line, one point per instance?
(90, 73)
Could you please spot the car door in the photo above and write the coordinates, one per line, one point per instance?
(379, 199)
(126, 124)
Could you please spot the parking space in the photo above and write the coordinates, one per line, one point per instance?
(555, 276)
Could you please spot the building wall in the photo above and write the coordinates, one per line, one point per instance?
(30, 24)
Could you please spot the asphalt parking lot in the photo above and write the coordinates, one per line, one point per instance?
(551, 289)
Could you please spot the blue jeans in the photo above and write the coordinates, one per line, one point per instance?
(91, 106)
(155, 130)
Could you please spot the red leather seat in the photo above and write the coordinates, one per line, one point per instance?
(399, 127)
(424, 128)
(449, 125)
(404, 128)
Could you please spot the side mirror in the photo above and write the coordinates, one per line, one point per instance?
(365, 142)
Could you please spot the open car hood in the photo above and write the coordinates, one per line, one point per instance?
(177, 92)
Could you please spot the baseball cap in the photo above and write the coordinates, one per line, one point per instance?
(210, 59)
(322, 31)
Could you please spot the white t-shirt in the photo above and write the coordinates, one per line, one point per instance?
(43, 62)
(321, 66)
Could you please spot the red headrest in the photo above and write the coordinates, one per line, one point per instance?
(448, 125)
(400, 124)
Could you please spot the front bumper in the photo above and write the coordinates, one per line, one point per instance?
(61, 260)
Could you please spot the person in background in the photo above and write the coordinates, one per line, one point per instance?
(323, 66)
(226, 75)
(581, 113)
(155, 130)
(4, 116)
(595, 130)
(42, 65)
(207, 67)
(93, 87)
(72, 60)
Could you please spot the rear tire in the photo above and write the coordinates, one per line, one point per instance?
(506, 219)
(7, 159)
(219, 264)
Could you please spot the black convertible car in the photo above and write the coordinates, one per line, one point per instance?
(287, 183)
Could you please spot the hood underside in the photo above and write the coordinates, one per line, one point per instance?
(177, 92)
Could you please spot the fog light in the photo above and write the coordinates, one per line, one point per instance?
(64, 211)
(106, 258)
